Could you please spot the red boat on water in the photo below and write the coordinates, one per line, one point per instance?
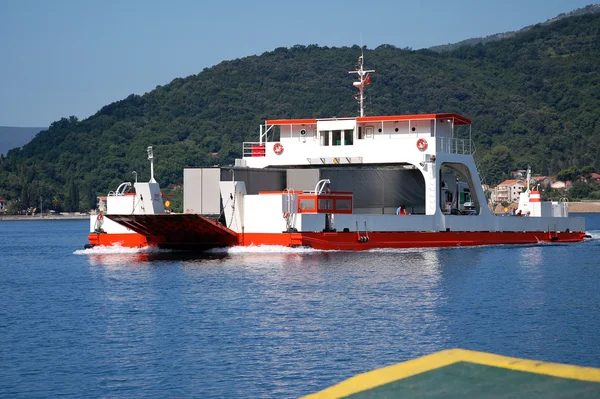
(357, 183)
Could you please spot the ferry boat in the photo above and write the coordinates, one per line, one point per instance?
(355, 183)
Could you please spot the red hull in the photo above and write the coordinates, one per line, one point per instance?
(353, 242)
(343, 241)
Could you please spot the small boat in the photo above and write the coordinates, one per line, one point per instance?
(336, 184)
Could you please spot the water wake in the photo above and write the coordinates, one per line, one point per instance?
(595, 234)
(263, 249)
(118, 250)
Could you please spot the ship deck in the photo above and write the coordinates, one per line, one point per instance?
(459, 373)
(180, 231)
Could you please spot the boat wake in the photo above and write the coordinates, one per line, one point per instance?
(277, 249)
(118, 250)
(408, 250)
(594, 234)
(263, 249)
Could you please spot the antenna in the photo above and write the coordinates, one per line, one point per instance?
(364, 79)
(151, 159)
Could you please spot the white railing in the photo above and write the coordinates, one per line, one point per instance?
(253, 149)
(123, 189)
(455, 146)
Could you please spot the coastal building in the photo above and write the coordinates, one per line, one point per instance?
(508, 191)
(559, 185)
(542, 182)
(519, 174)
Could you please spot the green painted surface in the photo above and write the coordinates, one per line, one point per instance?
(470, 380)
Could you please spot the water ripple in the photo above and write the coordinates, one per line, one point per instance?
(272, 322)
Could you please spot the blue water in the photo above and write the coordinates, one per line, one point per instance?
(271, 322)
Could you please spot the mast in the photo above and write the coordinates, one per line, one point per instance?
(151, 159)
(364, 79)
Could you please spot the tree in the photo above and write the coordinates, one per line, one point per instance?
(571, 173)
(497, 164)
(534, 93)
(72, 198)
(587, 171)
(580, 190)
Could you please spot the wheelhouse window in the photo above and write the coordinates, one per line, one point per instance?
(307, 204)
(325, 204)
(324, 137)
(343, 204)
(337, 137)
(348, 137)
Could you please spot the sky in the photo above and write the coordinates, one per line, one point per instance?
(71, 57)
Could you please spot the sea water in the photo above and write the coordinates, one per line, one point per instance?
(270, 321)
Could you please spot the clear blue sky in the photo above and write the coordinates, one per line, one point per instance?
(71, 57)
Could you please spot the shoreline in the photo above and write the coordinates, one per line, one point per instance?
(574, 207)
(584, 207)
(45, 217)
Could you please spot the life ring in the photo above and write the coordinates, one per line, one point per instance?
(278, 148)
(422, 144)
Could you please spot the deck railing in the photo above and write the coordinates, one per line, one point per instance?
(455, 146)
(253, 149)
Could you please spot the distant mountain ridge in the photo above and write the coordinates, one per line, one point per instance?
(590, 9)
(15, 137)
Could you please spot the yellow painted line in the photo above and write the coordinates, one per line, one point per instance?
(385, 375)
(532, 366)
(388, 374)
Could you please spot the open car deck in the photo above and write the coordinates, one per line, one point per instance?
(459, 373)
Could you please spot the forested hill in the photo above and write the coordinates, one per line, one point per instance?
(534, 99)
(590, 9)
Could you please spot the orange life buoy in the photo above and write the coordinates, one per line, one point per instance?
(422, 144)
(278, 148)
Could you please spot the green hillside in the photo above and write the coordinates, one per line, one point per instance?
(533, 98)
(590, 9)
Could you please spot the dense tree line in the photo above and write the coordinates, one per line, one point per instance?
(534, 100)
